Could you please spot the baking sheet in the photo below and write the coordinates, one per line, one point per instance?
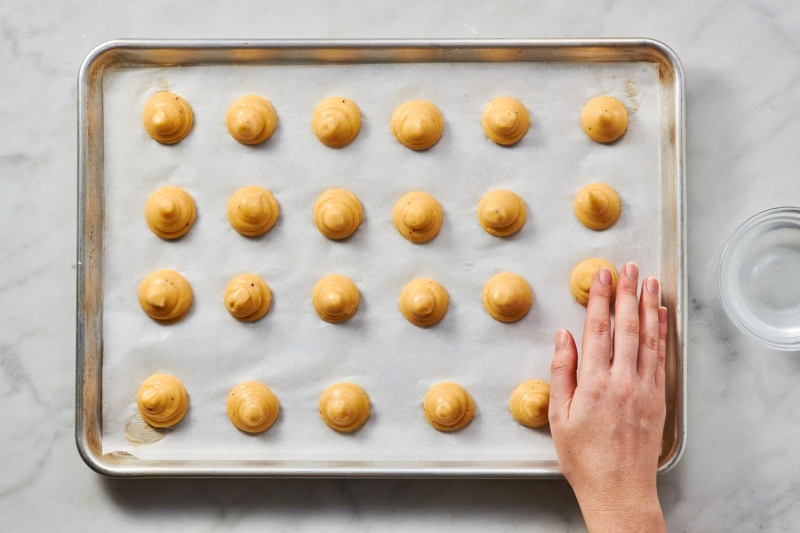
(291, 349)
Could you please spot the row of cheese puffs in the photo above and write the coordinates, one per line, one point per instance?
(252, 407)
(166, 296)
(252, 211)
(417, 124)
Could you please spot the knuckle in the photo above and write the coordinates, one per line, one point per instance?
(629, 325)
(626, 390)
(656, 405)
(661, 408)
(596, 391)
(651, 303)
(596, 395)
(598, 290)
(560, 366)
(650, 342)
(625, 286)
(662, 334)
(660, 401)
(599, 326)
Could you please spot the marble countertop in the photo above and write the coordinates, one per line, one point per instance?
(741, 469)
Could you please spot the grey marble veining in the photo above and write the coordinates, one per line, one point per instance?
(741, 470)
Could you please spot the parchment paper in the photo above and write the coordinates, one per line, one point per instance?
(291, 349)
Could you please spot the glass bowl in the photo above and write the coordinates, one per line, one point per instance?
(759, 278)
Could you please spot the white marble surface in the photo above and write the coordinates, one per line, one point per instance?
(741, 471)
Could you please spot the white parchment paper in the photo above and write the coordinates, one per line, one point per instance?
(291, 349)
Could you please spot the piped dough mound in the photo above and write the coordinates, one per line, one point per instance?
(335, 298)
(501, 213)
(344, 407)
(162, 400)
(170, 212)
(251, 119)
(167, 117)
(604, 119)
(247, 297)
(530, 402)
(507, 297)
(580, 280)
(336, 121)
(505, 120)
(417, 124)
(252, 407)
(338, 213)
(252, 211)
(597, 206)
(165, 296)
(448, 406)
(423, 302)
(417, 216)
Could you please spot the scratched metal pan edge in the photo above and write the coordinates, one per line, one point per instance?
(128, 53)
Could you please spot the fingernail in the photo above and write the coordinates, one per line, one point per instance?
(605, 276)
(652, 285)
(632, 271)
(561, 338)
(662, 315)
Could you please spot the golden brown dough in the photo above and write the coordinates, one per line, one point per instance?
(417, 216)
(501, 212)
(344, 407)
(604, 119)
(251, 119)
(165, 296)
(162, 400)
(170, 212)
(448, 406)
(417, 124)
(505, 120)
(423, 302)
(529, 403)
(335, 298)
(582, 276)
(252, 407)
(167, 117)
(507, 297)
(247, 297)
(597, 206)
(338, 213)
(336, 121)
(252, 211)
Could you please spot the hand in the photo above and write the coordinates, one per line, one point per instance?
(607, 418)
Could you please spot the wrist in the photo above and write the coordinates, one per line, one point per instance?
(618, 513)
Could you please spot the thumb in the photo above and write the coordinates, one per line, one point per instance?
(563, 379)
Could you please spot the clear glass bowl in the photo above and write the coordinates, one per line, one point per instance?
(759, 278)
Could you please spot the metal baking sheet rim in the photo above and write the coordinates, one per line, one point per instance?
(120, 53)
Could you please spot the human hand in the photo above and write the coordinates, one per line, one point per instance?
(607, 417)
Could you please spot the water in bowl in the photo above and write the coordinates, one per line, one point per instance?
(764, 279)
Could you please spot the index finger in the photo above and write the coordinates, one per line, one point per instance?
(596, 345)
